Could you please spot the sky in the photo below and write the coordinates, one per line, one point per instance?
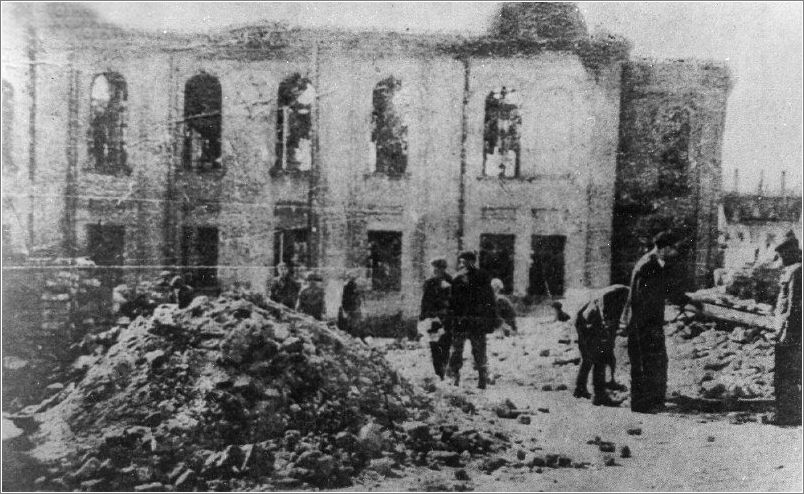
(760, 41)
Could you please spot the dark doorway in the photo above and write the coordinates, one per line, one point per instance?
(199, 253)
(547, 265)
(497, 258)
(385, 260)
(292, 247)
(105, 247)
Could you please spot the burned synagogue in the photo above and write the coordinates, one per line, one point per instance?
(233, 256)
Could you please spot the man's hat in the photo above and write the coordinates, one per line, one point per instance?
(467, 255)
(439, 262)
(791, 244)
(666, 239)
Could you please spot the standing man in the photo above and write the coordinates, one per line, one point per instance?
(435, 309)
(311, 298)
(643, 318)
(596, 323)
(787, 376)
(284, 289)
(351, 315)
(473, 308)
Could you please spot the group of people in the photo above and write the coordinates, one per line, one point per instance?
(467, 306)
(308, 299)
(639, 309)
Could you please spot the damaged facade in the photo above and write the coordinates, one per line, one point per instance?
(333, 150)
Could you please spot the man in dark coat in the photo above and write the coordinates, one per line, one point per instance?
(596, 323)
(787, 375)
(643, 318)
(284, 289)
(435, 309)
(474, 312)
(312, 298)
(350, 315)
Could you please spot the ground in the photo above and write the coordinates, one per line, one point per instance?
(676, 451)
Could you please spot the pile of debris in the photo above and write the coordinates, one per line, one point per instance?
(229, 394)
(720, 361)
(759, 283)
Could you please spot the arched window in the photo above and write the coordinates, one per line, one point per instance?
(501, 134)
(294, 123)
(202, 118)
(107, 146)
(8, 127)
(389, 130)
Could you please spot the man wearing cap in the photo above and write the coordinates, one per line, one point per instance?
(643, 319)
(284, 289)
(435, 310)
(311, 298)
(473, 309)
(787, 355)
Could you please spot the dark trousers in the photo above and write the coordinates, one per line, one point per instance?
(478, 342)
(439, 350)
(787, 384)
(598, 368)
(648, 356)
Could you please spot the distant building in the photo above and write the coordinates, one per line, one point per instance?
(227, 154)
(753, 225)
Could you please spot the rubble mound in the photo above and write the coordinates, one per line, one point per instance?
(226, 394)
(722, 362)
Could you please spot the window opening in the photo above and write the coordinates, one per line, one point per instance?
(199, 255)
(294, 124)
(106, 246)
(547, 265)
(497, 258)
(385, 260)
(202, 118)
(291, 247)
(389, 133)
(501, 134)
(108, 97)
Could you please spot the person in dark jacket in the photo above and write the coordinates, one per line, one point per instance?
(787, 354)
(181, 293)
(435, 310)
(284, 289)
(350, 314)
(311, 298)
(597, 323)
(474, 312)
(506, 315)
(643, 318)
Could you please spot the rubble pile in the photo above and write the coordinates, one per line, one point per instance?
(760, 283)
(229, 394)
(720, 361)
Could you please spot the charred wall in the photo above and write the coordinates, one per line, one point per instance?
(668, 163)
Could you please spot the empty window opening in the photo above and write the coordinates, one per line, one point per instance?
(8, 127)
(199, 255)
(105, 247)
(497, 258)
(389, 129)
(202, 118)
(547, 265)
(385, 260)
(501, 134)
(107, 146)
(292, 247)
(673, 151)
(294, 124)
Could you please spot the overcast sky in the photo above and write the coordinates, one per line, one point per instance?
(761, 42)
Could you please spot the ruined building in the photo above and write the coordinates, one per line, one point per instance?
(333, 150)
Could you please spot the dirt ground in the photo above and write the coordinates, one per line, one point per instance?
(676, 450)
